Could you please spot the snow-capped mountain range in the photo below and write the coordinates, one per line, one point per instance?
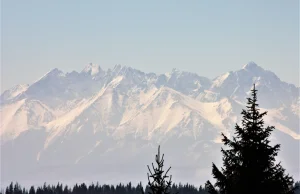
(106, 125)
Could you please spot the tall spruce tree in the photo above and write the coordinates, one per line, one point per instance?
(249, 163)
(159, 183)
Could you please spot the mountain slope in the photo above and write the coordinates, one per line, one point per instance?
(81, 124)
(273, 92)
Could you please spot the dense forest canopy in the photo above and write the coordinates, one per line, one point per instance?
(15, 188)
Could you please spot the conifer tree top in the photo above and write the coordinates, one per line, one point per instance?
(249, 162)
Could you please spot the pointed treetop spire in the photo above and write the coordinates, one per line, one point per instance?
(159, 183)
(249, 159)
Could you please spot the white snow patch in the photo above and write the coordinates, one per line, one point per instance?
(9, 123)
(220, 80)
(91, 68)
(57, 126)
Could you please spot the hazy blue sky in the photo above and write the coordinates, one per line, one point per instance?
(208, 37)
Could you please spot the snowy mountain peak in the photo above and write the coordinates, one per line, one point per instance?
(53, 73)
(128, 111)
(252, 66)
(13, 92)
(20, 87)
(92, 69)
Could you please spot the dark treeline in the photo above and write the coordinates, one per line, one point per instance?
(15, 188)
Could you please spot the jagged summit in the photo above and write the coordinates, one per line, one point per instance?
(106, 115)
(54, 72)
(92, 69)
(252, 66)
